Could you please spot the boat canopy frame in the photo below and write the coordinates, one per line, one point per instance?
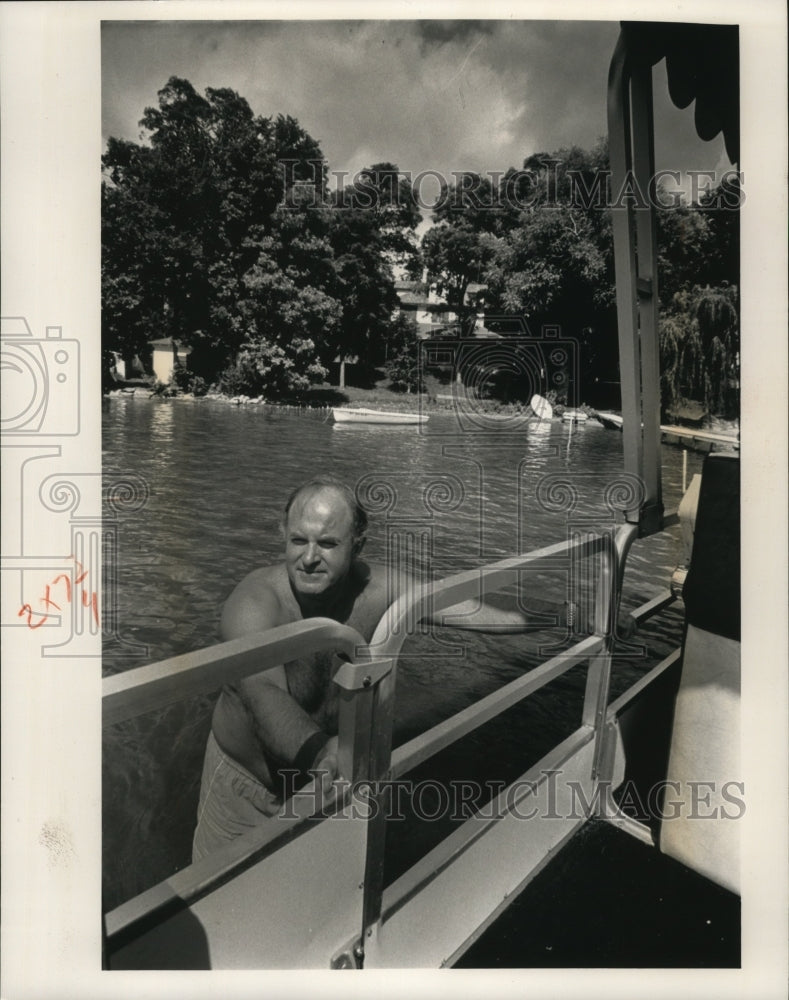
(632, 155)
(701, 64)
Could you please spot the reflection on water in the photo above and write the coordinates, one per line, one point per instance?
(218, 477)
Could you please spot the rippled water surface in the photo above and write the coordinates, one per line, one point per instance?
(475, 490)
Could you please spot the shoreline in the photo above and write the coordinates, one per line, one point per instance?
(329, 397)
(325, 398)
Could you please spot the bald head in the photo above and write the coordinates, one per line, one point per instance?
(336, 493)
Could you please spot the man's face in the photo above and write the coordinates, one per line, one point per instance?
(319, 548)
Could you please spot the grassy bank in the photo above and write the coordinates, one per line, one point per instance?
(379, 397)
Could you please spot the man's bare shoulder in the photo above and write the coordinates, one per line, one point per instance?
(258, 602)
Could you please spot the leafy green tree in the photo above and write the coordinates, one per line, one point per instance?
(699, 344)
(133, 291)
(364, 284)
(553, 262)
(698, 261)
(388, 196)
(721, 207)
(473, 200)
(371, 229)
(402, 365)
(685, 239)
(218, 230)
(455, 256)
(457, 248)
(183, 218)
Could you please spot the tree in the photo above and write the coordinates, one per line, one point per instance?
(455, 255)
(472, 200)
(364, 285)
(189, 196)
(698, 260)
(541, 244)
(699, 344)
(217, 232)
(133, 291)
(456, 249)
(402, 365)
(684, 236)
(552, 262)
(388, 196)
(284, 326)
(372, 228)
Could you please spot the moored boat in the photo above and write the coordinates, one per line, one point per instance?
(575, 417)
(611, 421)
(362, 415)
(541, 407)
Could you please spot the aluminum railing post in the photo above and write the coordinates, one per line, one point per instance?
(365, 751)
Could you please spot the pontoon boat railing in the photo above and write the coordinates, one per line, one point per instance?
(631, 150)
(367, 686)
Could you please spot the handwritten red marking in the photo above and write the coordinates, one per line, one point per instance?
(26, 609)
(90, 599)
(48, 601)
(67, 581)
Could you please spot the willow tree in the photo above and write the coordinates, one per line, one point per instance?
(699, 343)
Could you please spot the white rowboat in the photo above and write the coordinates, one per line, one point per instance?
(365, 416)
(574, 417)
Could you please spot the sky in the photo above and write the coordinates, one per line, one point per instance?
(428, 95)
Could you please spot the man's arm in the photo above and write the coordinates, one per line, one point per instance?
(283, 731)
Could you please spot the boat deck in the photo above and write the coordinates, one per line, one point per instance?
(610, 901)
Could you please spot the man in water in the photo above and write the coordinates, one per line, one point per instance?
(285, 718)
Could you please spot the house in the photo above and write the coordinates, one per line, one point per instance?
(164, 353)
(430, 312)
(420, 306)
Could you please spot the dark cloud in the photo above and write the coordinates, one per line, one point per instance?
(426, 95)
(441, 32)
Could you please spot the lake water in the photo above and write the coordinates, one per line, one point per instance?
(214, 479)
